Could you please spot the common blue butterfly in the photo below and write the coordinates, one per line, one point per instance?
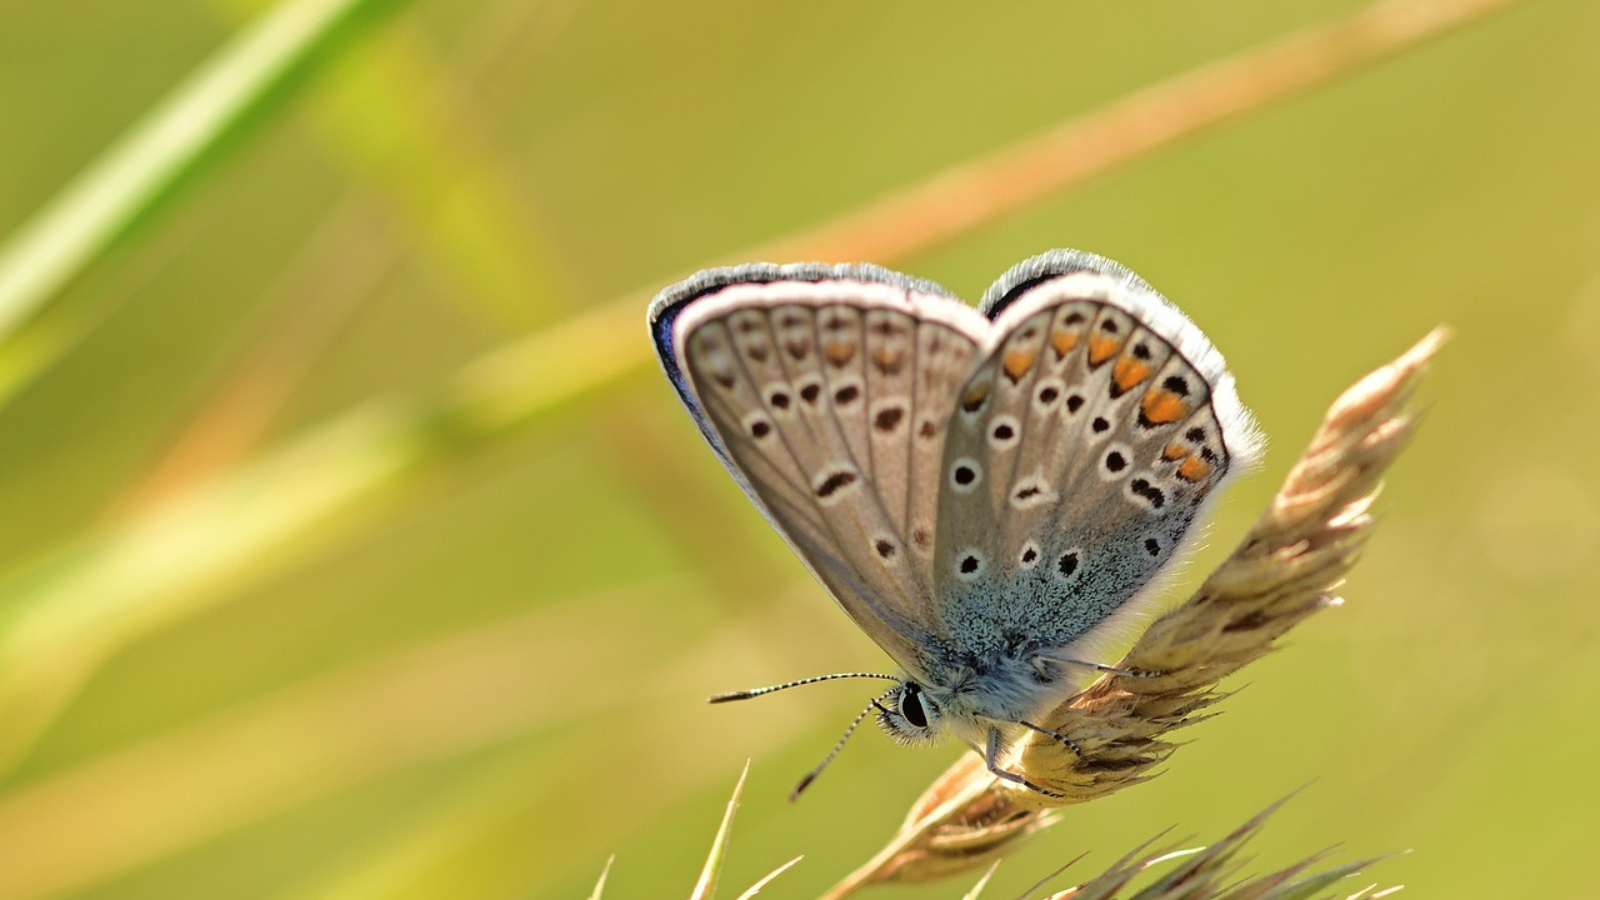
(991, 494)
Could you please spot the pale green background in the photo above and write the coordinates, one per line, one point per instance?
(513, 164)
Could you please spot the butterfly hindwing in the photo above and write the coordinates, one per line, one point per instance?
(1081, 452)
(826, 391)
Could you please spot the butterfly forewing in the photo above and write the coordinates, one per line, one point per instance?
(830, 397)
(1079, 456)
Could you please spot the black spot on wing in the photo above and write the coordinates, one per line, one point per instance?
(836, 481)
(1141, 487)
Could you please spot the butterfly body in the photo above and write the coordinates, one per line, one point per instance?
(992, 494)
(976, 688)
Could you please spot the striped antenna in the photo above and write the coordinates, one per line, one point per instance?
(756, 692)
(877, 703)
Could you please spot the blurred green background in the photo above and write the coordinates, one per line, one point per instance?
(271, 627)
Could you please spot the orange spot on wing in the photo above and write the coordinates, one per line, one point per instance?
(1102, 349)
(840, 352)
(1174, 451)
(1063, 342)
(1129, 372)
(1194, 469)
(888, 361)
(1162, 406)
(1017, 363)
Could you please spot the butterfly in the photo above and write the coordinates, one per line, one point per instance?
(991, 494)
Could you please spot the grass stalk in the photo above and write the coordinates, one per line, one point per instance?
(237, 87)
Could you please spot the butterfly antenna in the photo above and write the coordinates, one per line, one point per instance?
(756, 692)
(805, 782)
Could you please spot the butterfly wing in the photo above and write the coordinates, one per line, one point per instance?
(1084, 446)
(825, 391)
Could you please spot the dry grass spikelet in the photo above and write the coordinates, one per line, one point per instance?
(957, 825)
(1201, 873)
(1287, 567)
(1214, 872)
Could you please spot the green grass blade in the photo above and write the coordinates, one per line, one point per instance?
(106, 203)
(706, 887)
(600, 886)
(755, 889)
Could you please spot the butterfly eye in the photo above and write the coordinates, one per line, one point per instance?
(911, 707)
(909, 716)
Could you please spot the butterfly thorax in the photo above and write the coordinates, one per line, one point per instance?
(1009, 682)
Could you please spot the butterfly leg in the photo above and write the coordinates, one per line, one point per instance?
(1102, 667)
(1071, 744)
(991, 759)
